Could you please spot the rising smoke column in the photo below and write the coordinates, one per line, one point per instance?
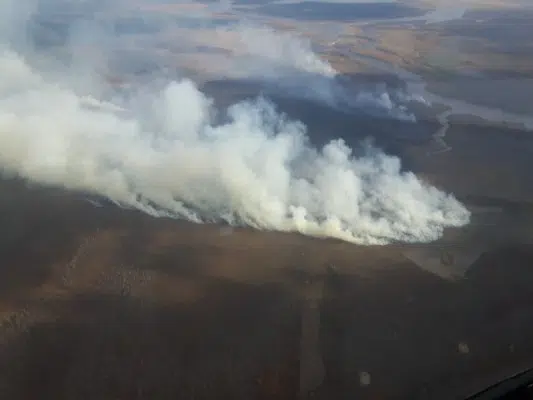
(258, 169)
(164, 153)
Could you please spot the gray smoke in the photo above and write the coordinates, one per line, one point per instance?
(163, 153)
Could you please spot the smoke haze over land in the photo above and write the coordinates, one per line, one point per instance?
(169, 152)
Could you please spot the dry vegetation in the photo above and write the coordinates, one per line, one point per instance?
(102, 303)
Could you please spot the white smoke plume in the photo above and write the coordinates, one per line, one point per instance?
(164, 153)
(280, 50)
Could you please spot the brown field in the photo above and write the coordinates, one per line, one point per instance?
(103, 303)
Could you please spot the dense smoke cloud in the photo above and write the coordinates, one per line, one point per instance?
(163, 152)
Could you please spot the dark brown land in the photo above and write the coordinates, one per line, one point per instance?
(104, 303)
